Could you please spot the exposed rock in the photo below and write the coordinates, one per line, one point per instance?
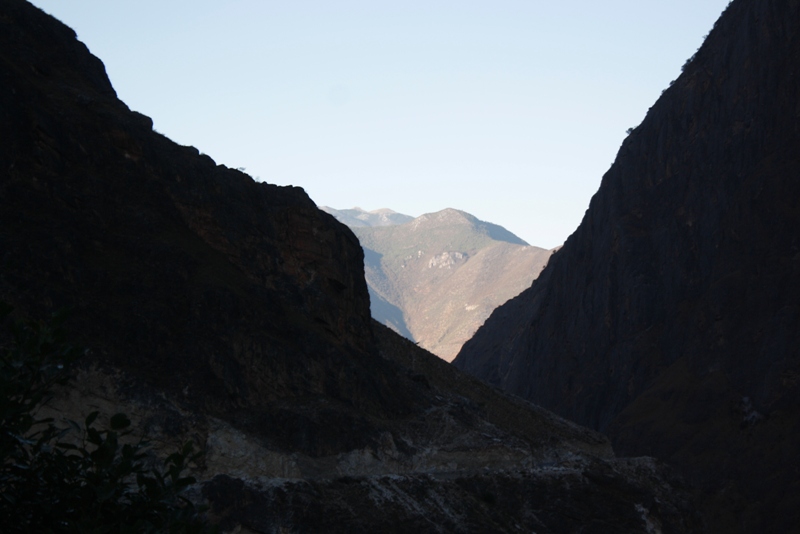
(236, 314)
(677, 297)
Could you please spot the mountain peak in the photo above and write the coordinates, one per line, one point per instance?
(451, 217)
(359, 217)
(445, 217)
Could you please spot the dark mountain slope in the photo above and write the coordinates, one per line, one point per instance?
(236, 314)
(96, 205)
(671, 317)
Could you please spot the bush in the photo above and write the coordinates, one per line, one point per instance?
(81, 478)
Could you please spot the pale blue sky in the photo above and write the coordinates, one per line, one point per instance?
(511, 110)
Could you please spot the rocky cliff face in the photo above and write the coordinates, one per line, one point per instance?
(236, 314)
(128, 230)
(670, 318)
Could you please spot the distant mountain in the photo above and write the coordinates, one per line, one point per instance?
(437, 278)
(358, 218)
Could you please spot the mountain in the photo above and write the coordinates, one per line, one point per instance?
(671, 318)
(235, 314)
(356, 217)
(437, 278)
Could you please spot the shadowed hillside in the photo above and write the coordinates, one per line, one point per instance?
(671, 318)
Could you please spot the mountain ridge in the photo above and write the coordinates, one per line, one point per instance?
(355, 217)
(455, 216)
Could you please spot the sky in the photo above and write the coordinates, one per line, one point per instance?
(511, 110)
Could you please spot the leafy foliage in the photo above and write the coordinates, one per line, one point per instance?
(81, 478)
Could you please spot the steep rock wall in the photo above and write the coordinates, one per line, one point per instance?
(671, 318)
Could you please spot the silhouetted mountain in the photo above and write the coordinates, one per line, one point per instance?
(235, 314)
(671, 317)
(437, 278)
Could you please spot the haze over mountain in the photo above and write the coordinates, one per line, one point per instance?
(671, 318)
(437, 278)
(356, 217)
(235, 314)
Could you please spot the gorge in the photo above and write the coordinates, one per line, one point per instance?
(235, 314)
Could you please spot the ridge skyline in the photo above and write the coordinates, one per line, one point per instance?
(416, 105)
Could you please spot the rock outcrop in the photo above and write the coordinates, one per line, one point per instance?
(671, 318)
(236, 314)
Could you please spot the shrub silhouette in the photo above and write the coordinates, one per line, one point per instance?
(80, 478)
